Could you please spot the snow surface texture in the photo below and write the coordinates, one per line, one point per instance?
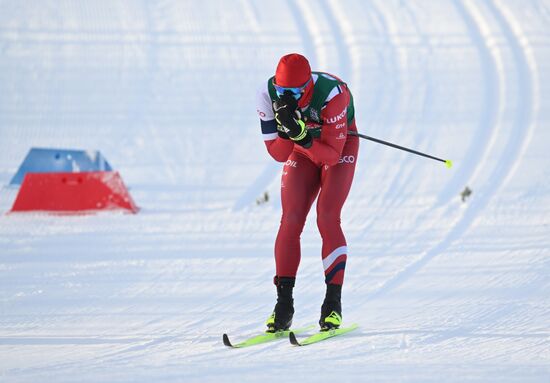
(444, 290)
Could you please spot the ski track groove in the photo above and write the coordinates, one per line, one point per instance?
(390, 107)
(404, 174)
(408, 174)
(486, 132)
(505, 165)
(400, 129)
(146, 87)
(530, 73)
(397, 69)
(493, 76)
(341, 44)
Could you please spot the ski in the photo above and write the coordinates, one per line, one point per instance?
(264, 338)
(321, 335)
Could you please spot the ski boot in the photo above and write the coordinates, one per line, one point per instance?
(331, 310)
(281, 318)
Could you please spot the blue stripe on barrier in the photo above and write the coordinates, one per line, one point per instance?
(41, 160)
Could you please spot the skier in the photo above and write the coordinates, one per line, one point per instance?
(305, 117)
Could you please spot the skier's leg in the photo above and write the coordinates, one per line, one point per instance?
(299, 186)
(335, 185)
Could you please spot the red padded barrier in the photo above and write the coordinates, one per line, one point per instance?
(73, 192)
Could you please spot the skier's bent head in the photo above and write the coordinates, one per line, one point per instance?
(293, 74)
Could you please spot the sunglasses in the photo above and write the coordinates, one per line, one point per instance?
(296, 91)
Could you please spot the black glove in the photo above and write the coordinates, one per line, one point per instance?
(282, 134)
(289, 121)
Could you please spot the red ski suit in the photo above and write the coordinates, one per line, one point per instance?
(325, 170)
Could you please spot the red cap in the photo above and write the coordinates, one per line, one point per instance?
(293, 70)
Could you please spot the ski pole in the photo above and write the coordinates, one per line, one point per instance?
(448, 163)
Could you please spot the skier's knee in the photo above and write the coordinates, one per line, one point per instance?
(294, 218)
(327, 221)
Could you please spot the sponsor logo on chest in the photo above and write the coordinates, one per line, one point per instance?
(347, 160)
(334, 119)
(314, 114)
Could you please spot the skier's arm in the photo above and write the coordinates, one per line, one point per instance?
(278, 147)
(328, 149)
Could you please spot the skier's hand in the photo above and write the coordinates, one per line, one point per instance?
(289, 120)
(285, 108)
(288, 102)
(282, 134)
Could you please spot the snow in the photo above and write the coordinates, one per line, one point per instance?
(443, 290)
